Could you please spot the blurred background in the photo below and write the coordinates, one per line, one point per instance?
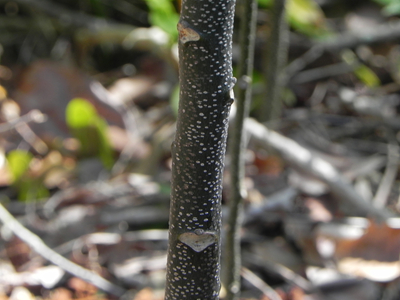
(88, 104)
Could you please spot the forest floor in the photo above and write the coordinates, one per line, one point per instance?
(323, 186)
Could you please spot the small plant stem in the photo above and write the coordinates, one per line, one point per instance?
(276, 58)
(232, 260)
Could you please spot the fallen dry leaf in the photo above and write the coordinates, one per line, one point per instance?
(60, 294)
(81, 287)
(371, 251)
(380, 242)
(49, 86)
(370, 269)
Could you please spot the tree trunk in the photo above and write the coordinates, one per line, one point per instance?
(198, 152)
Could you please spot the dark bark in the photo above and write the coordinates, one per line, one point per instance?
(206, 82)
(232, 259)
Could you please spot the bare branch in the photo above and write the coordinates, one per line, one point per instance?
(301, 158)
(42, 249)
(32, 116)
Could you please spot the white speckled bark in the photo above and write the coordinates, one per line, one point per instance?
(205, 51)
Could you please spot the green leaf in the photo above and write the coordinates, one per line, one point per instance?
(367, 76)
(363, 73)
(80, 113)
(166, 22)
(105, 151)
(392, 9)
(32, 189)
(265, 3)
(163, 14)
(28, 188)
(90, 129)
(18, 163)
(306, 16)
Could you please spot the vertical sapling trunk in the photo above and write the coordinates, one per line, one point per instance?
(198, 152)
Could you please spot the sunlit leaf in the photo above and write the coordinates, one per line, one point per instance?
(90, 129)
(305, 16)
(163, 14)
(304, 11)
(363, 73)
(28, 188)
(166, 22)
(80, 113)
(18, 163)
(367, 76)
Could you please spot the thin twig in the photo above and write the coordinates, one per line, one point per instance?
(33, 116)
(260, 284)
(284, 272)
(381, 33)
(301, 62)
(41, 248)
(232, 259)
(389, 176)
(131, 126)
(31, 138)
(324, 72)
(301, 158)
(21, 126)
(277, 48)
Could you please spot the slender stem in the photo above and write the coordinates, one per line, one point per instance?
(232, 261)
(275, 60)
